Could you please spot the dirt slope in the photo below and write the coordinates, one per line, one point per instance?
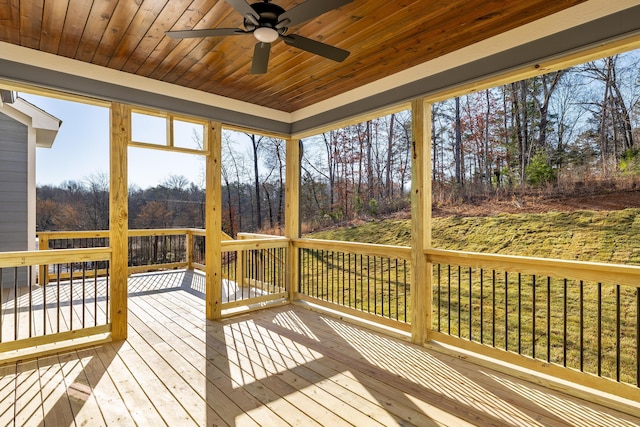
(615, 200)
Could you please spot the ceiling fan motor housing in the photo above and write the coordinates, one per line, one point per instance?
(268, 14)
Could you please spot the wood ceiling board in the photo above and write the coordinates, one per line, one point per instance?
(404, 51)
(138, 28)
(30, 24)
(74, 24)
(10, 21)
(94, 30)
(118, 23)
(169, 61)
(53, 17)
(165, 20)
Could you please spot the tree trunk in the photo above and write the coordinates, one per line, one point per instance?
(457, 148)
(388, 180)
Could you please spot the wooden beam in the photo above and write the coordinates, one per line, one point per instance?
(420, 221)
(213, 222)
(292, 214)
(120, 123)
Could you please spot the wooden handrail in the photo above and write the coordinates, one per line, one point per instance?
(626, 275)
(388, 251)
(26, 258)
(250, 244)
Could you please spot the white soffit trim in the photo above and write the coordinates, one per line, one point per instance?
(61, 64)
(568, 18)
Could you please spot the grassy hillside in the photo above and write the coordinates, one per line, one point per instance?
(606, 236)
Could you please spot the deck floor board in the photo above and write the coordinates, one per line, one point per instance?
(280, 366)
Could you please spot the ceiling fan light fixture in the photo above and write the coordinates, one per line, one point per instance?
(265, 34)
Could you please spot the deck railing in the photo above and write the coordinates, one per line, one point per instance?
(75, 306)
(148, 249)
(577, 315)
(253, 265)
(253, 270)
(574, 320)
(370, 279)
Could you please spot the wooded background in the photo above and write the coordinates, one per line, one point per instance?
(568, 129)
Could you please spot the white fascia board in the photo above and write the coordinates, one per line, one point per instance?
(566, 19)
(45, 125)
(70, 66)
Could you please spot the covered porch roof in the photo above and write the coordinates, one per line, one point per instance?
(399, 51)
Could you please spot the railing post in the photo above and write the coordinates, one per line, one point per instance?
(292, 214)
(120, 123)
(189, 248)
(421, 287)
(240, 264)
(213, 221)
(43, 269)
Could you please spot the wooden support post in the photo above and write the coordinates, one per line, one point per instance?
(213, 222)
(119, 218)
(188, 242)
(43, 270)
(292, 214)
(421, 286)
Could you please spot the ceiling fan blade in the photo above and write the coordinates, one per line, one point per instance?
(316, 47)
(187, 34)
(308, 10)
(244, 9)
(260, 58)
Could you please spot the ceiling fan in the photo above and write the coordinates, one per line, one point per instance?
(268, 22)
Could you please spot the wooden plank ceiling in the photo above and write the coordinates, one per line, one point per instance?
(384, 37)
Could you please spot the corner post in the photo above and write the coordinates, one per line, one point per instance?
(292, 215)
(120, 123)
(43, 270)
(213, 222)
(188, 242)
(421, 286)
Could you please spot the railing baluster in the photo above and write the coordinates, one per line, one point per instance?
(534, 313)
(449, 299)
(361, 283)
(581, 302)
(31, 314)
(506, 311)
(108, 315)
(618, 333)
(95, 295)
(493, 308)
(548, 319)
(15, 303)
(481, 306)
(470, 304)
(404, 269)
(519, 313)
(44, 303)
(71, 297)
(389, 287)
(397, 294)
(375, 285)
(439, 299)
(459, 298)
(599, 330)
(564, 321)
(84, 292)
(58, 299)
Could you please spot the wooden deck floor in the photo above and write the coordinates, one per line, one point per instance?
(280, 366)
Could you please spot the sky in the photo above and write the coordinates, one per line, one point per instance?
(81, 149)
